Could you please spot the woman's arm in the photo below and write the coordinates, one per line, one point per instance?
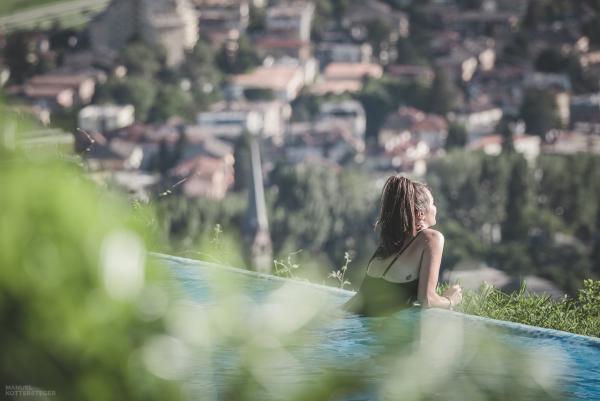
(430, 270)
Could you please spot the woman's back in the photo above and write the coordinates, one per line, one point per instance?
(391, 283)
(398, 267)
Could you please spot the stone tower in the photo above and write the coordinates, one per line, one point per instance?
(259, 251)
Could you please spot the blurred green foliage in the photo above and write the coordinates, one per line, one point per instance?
(539, 112)
(71, 323)
(159, 92)
(546, 212)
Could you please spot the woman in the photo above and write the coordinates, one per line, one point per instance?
(406, 264)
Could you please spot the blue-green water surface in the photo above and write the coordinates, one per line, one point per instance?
(348, 342)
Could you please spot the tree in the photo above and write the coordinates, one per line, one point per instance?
(517, 48)
(201, 54)
(595, 254)
(534, 16)
(442, 94)
(167, 157)
(323, 15)
(508, 143)
(143, 60)
(139, 92)
(257, 17)
(339, 8)
(241, 157)
(20, 55)
(506, 132)
(408, 53)
(199, 68)
(378, 103)
(551, 60)
(302, 212)
(306, 106)
(170, 101)
(582, 79)
(259, 94)
(539, 111)
(457, 136)
(378, 35)
(515, 227)
(471, 4)
(591, 29)
(163, 158)
(237, 57)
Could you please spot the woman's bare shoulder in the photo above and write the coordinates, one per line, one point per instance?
(432, 237)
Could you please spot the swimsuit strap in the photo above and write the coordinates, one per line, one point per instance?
(400, 253)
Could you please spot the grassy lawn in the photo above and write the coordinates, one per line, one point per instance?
(13, 6)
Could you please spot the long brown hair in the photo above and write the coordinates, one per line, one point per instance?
(401, 200)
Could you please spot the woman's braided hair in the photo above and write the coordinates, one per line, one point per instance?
(401, 200)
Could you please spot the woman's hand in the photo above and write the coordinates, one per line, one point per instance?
(454, 293)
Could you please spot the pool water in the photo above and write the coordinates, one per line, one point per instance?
(414, 354)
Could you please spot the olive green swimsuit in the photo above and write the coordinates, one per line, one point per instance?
(378, 296)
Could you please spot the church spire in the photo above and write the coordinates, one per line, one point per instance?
(256, 231)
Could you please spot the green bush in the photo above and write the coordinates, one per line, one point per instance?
(80, 310)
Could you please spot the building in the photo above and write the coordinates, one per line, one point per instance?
(172, 24)
(362, 13)
(335, 87)
(283, 47)
(205, 176)
(458, 64)
(345, 77)
(559, 85)
(290, 21)
(585, 111)
(231, 119)
(411, 73)
(407, 155)
(59, 90)
(327, 140)
(222, 15)
(571, 142)
(350, 111)
(343, 52)
(478, 119)
(285, 81)
(481, 23)
(502, 86)
(117, 154)
(219, 20)
(103, 118)
(409, 126)
(528, 145)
